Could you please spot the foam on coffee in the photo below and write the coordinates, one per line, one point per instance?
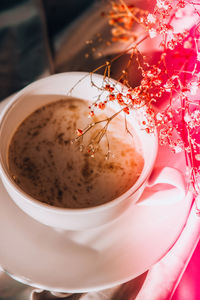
(47, 166)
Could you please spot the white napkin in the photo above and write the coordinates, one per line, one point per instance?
(163, 277)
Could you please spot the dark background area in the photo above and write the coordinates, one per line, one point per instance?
(28, 29)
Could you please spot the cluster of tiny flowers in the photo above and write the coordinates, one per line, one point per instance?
(160, 80)
(175, 39)
(122, 18)
(193, 119)
(157, 23)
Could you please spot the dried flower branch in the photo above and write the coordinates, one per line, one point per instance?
(169, 87)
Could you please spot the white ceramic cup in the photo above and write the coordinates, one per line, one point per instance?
(48, 90)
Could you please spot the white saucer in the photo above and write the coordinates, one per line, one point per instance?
(95, 259)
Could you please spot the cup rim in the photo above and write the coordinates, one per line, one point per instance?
(61, 210)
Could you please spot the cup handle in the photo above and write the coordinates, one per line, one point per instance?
(165, 186)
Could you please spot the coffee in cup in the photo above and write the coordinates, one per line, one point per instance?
(47, 166)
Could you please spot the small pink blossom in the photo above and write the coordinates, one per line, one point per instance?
(152, 33)
(177, 149)
(197, 157)
(187, 118)
(194, 88)
(151, 18)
